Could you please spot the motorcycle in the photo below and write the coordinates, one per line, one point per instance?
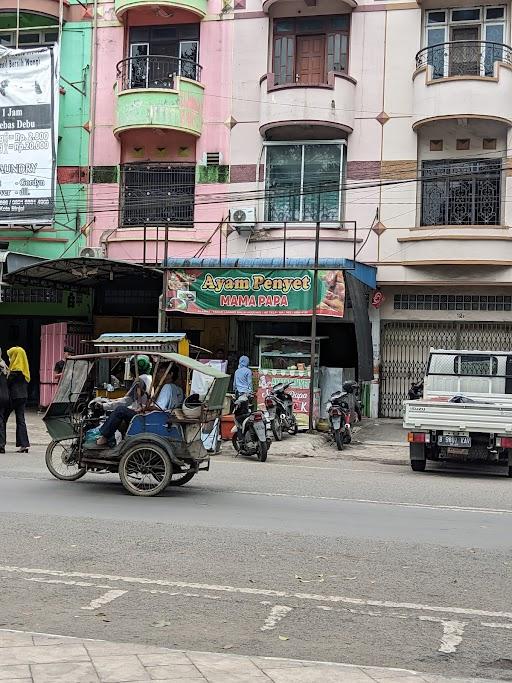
(415, 392)
(279, 405)
(338, 412)
(250, 433)
(355, 405)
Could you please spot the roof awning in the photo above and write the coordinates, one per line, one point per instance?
(361, 271)
(12, 260)
(82, 272)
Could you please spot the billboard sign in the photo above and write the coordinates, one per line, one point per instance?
(28, 137)
(255, 293)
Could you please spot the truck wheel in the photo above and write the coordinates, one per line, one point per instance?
(418, 459)
(510, 470)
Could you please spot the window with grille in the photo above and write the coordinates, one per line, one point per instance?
(157, 194)
(32, 295)
(452, 302)
(461, 192)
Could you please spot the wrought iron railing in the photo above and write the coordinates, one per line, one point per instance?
(463, 58)
(154, 71)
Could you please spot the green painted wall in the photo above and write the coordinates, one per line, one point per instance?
(72, 304)
(70, 200)
(73, 148)
(199, 7)
(180, 109)
(75, 58)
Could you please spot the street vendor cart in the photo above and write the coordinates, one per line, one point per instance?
(288, 359)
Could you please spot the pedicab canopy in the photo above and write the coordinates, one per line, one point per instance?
(62, 419)
(148, 342)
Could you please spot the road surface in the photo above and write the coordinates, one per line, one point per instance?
(345, 561)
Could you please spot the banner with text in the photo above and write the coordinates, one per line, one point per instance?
(28, 115)
(270, 292)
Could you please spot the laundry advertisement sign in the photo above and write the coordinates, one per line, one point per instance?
(270, 292)
(28, 111)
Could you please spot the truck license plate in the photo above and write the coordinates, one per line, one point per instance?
(454, 441)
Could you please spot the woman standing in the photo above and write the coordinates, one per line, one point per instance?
(4, 401)
(19, 377)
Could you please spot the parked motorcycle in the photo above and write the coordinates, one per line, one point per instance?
(279, 405)
(338, 412)
(355, 405)
(250, 433)
(415, 391)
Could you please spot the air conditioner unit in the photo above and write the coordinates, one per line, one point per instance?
(243, 219)
(92, 252)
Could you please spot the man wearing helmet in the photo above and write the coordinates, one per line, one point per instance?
(132, 403)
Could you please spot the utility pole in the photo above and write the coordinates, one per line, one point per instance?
(313, 329)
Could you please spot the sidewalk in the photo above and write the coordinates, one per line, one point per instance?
(37, 434)
(376, 440)
(40, 658)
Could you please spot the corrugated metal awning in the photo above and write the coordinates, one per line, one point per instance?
(81, 272)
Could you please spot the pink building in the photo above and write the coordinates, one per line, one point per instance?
(218, 126)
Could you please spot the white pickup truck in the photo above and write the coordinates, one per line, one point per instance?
(465, 414)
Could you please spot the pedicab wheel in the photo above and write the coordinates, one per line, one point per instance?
(63, 460)
(262, 451)
(145, 470)
(338, 437)
(179, 479)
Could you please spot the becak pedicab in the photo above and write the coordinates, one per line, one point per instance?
(158, 446)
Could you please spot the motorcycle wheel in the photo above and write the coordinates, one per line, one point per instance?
(277, 429)
(262, 451)
(234, 442)
(338, 437)
(294, 428)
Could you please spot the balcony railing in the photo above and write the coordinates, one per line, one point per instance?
(463, 58)
(153, 71)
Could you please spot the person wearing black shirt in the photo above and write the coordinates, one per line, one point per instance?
(59, 365)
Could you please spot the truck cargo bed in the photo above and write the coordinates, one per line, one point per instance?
(488, 418)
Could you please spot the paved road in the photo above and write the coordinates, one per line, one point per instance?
(342, 561)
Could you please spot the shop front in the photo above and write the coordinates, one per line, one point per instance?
(265, 309)
(47, 305)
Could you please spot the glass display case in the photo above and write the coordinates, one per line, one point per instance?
(287, 353)
(288, 359)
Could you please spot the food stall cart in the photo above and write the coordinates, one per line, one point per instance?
(288, 359)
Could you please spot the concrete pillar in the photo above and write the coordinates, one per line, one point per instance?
(374, 315)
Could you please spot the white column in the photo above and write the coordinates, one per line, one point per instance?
(374, 315)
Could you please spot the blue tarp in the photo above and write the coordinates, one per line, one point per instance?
(361, 271)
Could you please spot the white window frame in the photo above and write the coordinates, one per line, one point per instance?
(11, 35)
(303, 143)
(448, 23)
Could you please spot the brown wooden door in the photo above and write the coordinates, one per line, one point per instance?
(310, 69)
